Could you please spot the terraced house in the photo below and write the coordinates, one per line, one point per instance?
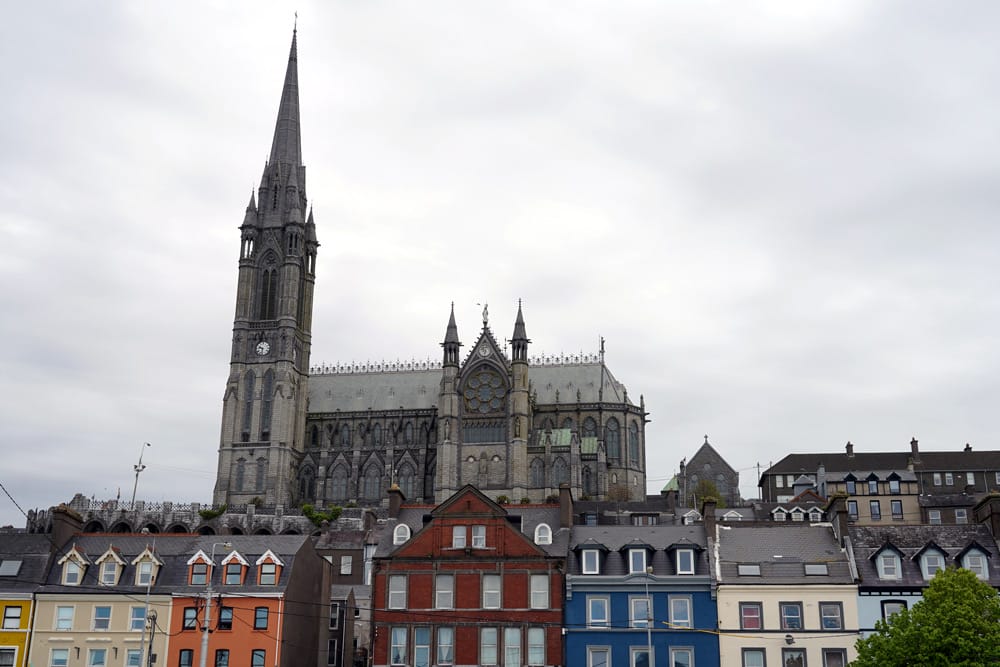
(23, 562)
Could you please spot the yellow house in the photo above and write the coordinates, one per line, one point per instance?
(99, 606)
(787, 596)
(23, 562)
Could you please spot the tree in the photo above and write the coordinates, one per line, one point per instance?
(703, 489)
(957, 624)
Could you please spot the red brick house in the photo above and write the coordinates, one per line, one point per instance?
(469, 582)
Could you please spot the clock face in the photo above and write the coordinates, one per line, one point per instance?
(263, 347)
(484, 350)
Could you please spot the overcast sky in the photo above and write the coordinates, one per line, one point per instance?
(782, 216)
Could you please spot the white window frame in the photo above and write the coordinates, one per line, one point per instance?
(441, 644)
(759, 615)
(396, 591)
(63, 660)
(539, 587)
(979, 567)
(782, 618)
(109, 572)
(458, 537)
(596, 651)
(635, 604)
(72, 573)
(479, 537)
(512, 647)
(680, 612)
(60, 621)
(400, 534)
(543, 534)
(536, 644)
(961, 516)
(444, 591)
(135, 653)
(598, 603)
(590, 561)
(675, 650)
(841, 652)
(779, 481)
(682, 567)
(937, 479)
(489, 637)
(632, 555)
(492, 591)
(346, 564)
(397, 645)
(92, 655)
(894, 570)
(815, 515)
(144, 573)
(894, 603)
(934, 517)
(926, 563)
(422, 649)
(93, 624)
(133, 619)
(949, 479)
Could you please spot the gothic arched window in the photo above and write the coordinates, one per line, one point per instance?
(588, 482)
(261, 475)
(612, 440)
(240, 473)
(345, 435)
(589, 428)
(268, 294)
(568, 423)
(338, 484)
(307, 484)
(560, 473)
(249, 382)
(547, 425)
(377, 435)
(314, 436)
(372, 483)
(633, 443)
(405, 476)
(408, 434)
(267, 397)
(537, 471)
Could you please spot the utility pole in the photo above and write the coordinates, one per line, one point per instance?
(203, 661)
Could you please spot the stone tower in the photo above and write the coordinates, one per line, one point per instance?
(264, 407)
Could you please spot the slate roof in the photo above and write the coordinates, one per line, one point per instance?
(867, 541)
(418, 389)
(782, 552)
(617, 538)
(840, 462)
(523, 517)
(33, 552)
(174, 551)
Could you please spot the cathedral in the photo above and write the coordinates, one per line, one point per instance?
(515, 426)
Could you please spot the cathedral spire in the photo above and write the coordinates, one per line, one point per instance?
(286, 148)
(519, 341)
(451, 342)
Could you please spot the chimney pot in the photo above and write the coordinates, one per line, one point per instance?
(850, 449)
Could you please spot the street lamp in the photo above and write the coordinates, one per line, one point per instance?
(208, 604)
(138, 467)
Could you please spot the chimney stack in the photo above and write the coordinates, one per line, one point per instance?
(396, 500)
(65, 523)
(968, 448)
(708, 515)
(914, 450)
(836, 512)
(850, 450)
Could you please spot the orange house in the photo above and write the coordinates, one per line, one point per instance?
(268, 598)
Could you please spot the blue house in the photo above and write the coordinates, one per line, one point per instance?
(640, 596)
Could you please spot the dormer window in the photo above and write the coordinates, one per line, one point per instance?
(894, 487)
(72, 573)
(851, 485)
(591, 559)
(888, 565)
(268, 574)
(144, 573)
(109, 573)
(199, 574)
(930, 562)
(685, 561)
(974, 560)
(543, 534)
(636, 561)
(815, 515)
(234, 573)
(400, 534)
(798, 514)
(873, 487)
(690, 517)
(73, 564)
(779, 514)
